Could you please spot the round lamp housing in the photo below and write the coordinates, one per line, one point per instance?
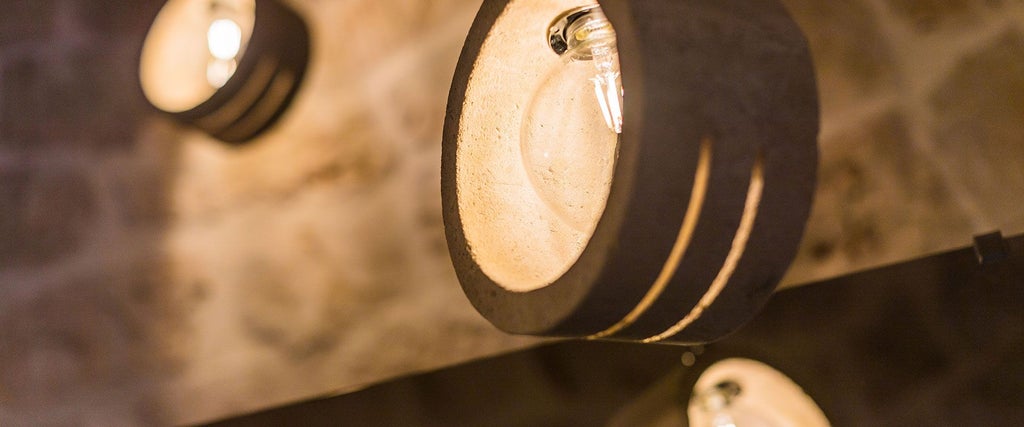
(673, 223)
(227, 67)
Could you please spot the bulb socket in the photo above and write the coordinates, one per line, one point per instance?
(579, 29)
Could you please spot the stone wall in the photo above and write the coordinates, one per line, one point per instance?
(923, 138)
(152, 275)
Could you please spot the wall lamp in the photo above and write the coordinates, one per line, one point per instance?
(746, 392)
(629, 170)
(227, 67)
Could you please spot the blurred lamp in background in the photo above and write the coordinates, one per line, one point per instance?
(630, 170)
(228, 67)
(746, 393)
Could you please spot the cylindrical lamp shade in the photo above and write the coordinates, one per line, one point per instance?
(227, 67)
(669, 219)
(747, 392)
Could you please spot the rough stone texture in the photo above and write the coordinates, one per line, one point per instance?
(921, 129)
(932, 15)
(851, 57)
(878, 200)
(52, 87)
(72, 355)
(50, 212)
(26, 20)
(979, 122)
(151, 275)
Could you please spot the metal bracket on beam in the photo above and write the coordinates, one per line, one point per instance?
(990, 248)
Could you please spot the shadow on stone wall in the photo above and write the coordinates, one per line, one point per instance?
(84, 304)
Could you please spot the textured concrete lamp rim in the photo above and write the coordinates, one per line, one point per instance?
(268, 69)
(709, 195)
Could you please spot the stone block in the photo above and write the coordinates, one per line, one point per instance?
(370, 31)
(852, 58)
(978, 128)
(81, 349)
(46, 215)
(70, 98)
(137, 182)
(927, 16)
(879, 200)
(130, 19)
(14, 190)
(27, 20)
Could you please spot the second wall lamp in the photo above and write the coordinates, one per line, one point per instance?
(227, 67)
(635, 170)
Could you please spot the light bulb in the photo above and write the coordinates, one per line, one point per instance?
(224, 41)
(741, 392)
(224, 38)
(591, 38)
(724, 407)
(570, 134)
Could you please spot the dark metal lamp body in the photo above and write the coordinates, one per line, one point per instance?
(712, 187)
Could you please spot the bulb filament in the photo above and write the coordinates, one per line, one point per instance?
(591, 38)
(224, 42)
(607, 88)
